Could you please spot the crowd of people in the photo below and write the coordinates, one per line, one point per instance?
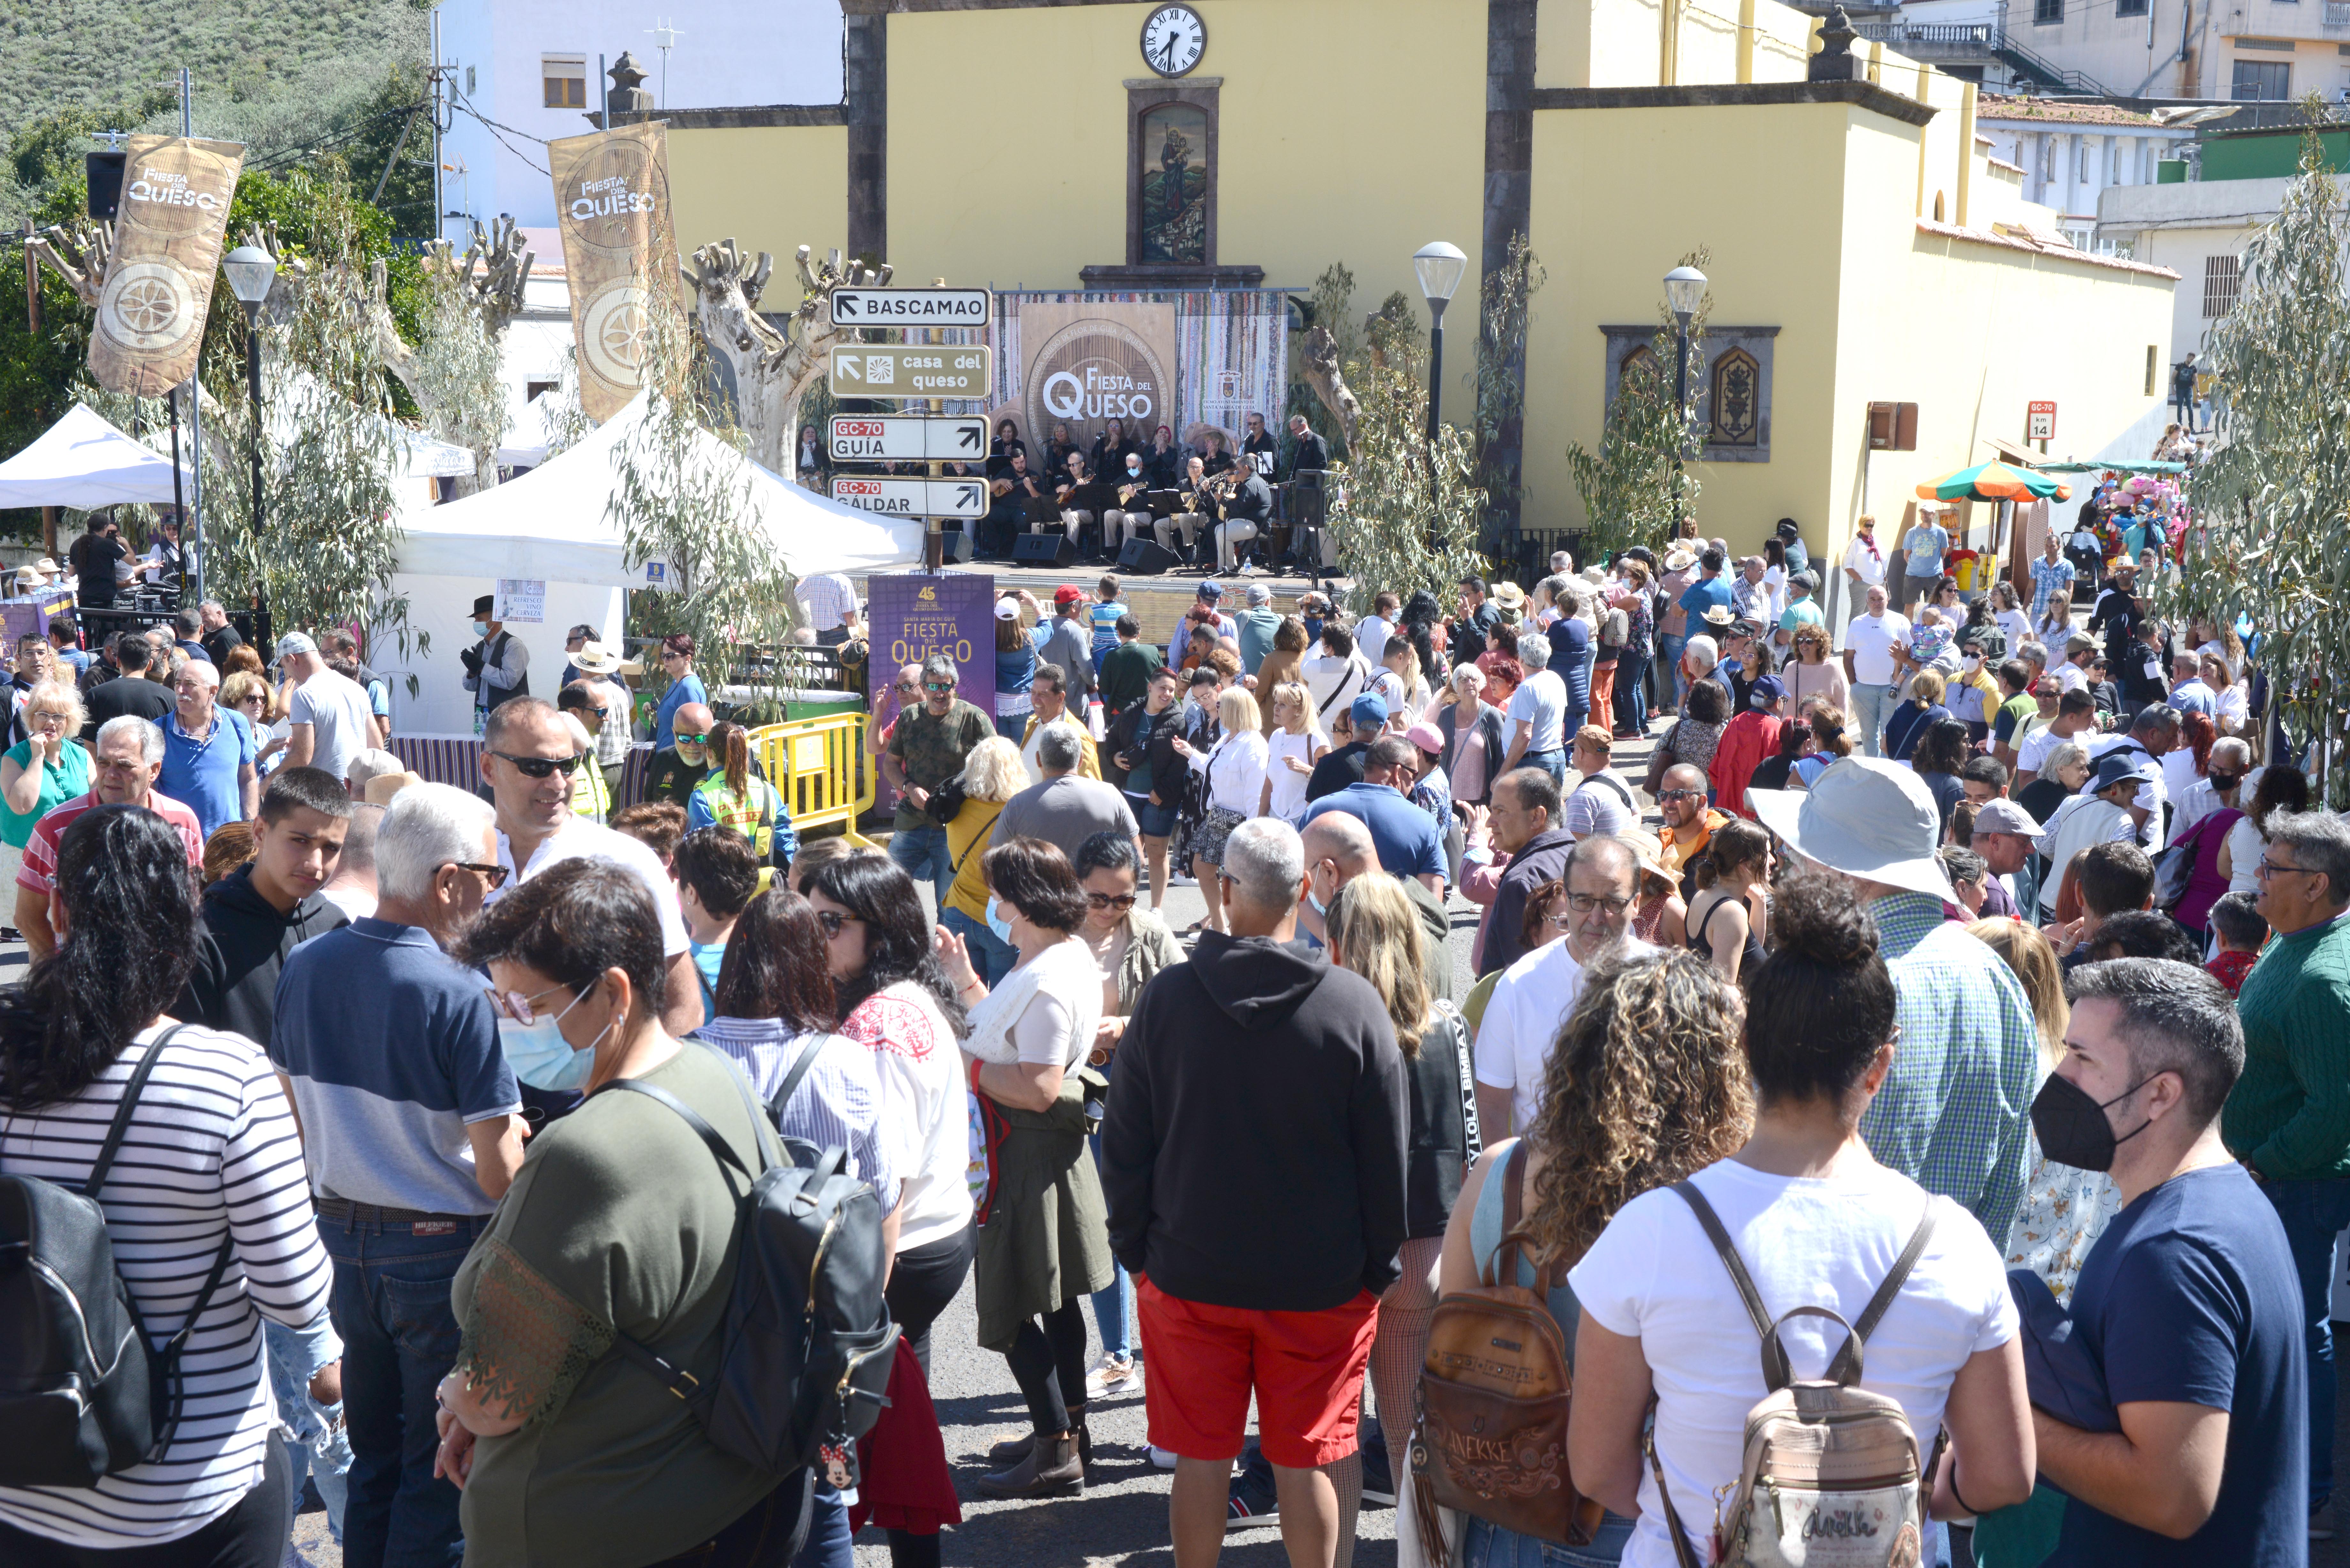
(1963, 1055)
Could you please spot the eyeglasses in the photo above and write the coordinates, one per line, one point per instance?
(538, 768)
(1680, 794)
(1558, 922)
(2268, 868)
(685, 740)
(1119, 901)
(833, 920)
(513, 1004)
(668, 654)
(938, 685)
(495, 875)
(48, 718)
(908, 687)
(1584, 903)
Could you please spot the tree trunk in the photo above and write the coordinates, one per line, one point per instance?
(1320, 351)
(772, 369)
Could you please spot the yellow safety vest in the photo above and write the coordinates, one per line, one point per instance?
(755, 822)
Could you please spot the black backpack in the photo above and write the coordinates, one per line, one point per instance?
(85, 1392)
(804, 1364)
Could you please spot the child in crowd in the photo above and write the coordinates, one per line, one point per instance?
(1107, 608)
(2238, 929)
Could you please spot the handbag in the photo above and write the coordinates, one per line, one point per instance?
(945, 802)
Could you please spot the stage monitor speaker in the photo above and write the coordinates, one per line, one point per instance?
(1052, 549)
(954, 547)
(1145, 557)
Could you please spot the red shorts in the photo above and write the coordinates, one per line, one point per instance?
(1304, 1368)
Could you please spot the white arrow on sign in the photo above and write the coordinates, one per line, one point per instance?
(872, 438)
(913, 497)
(911, 308)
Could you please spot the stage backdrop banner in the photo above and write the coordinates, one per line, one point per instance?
(167, 250)
(1087, 364)
(611, 200)
(1225, 355)
(915, 613)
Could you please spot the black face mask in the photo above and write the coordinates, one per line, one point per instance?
(2225, 781)
(2071, 1128)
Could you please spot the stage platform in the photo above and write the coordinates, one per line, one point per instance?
(1159, 600)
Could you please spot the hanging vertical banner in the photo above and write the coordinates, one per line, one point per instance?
(611, 198)
(167, 248)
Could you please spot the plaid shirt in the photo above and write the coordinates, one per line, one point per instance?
(1955, 1113)
(2047, 576)
(827, 600)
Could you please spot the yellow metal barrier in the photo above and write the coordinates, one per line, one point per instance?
(820, 768)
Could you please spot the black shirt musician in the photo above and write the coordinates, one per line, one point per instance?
(1216, 460)
(1308, 451)
(1258, 449)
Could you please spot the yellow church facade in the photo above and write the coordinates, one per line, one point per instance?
(1863, 246)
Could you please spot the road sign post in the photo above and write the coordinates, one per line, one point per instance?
(893, 437)
(910, 370)
(965, 498)
(911, 308)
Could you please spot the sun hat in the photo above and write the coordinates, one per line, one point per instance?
(2116, 767)
(1650, 854)
(1680, 558)
(1866, 818)
(1508, 595)
(596, 658)
(30, 578)
(2001, 814)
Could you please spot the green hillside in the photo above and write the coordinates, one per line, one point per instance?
(281, 76)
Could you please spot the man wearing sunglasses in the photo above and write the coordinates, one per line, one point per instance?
(926, 748)
(528, 757)
(678, 768)
(389, 1051)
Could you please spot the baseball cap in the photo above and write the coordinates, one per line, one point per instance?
(1766, 689)
(1259, 594)
(1370, 708)
(1427, 737)
(1007, 609)
(1068, 594)
(2004, 815)
(1212, 590)
(294, 642)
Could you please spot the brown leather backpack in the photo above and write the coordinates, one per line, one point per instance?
(1491, 1437)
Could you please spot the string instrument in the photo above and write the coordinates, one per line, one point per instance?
(1126, 492)
(999, 487)
(1217, 489)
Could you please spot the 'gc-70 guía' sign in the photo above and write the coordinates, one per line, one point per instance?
(913, 497)
(878, 438)
(910, 371)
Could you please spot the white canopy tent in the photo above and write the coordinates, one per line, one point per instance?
(554, 526)
(83, 462)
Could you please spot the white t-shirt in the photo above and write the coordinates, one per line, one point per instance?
(2150, 794)
(1371, 633)
(1529, 1003)
(338, 713)
(2081, 822)
(1872, 639)
(2071, 677)
(1234, 771)
(1288, 783)
(578, 837)
(1540, 702)
(1870, 564)
(2018, 626)
(1653, 1275)
(2034, 751)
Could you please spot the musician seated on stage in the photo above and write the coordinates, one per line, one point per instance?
(1015, 495)
(1216, 459)
(1190, 519)
(1081, 501)
(1130, 518)
(1247, 513)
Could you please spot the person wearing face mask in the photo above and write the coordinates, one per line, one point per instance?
(411, 1122)
(2188, 1304)
(536, 1441)
(497, 667)
(677, 770)
(1130, 518)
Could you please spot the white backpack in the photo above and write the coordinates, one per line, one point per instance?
(1831, 1476)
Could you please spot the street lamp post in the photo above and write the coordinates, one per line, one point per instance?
(1685, 292)
(1440, 266)
(251, 270)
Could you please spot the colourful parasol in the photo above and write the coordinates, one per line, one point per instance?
(1995, 482)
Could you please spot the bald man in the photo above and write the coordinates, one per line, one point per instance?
(1338, 849)
(676, 769)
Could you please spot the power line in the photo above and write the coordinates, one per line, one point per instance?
(494, 128)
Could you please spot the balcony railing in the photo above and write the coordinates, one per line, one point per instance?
(2337, 13)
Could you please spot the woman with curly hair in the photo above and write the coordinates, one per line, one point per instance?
(1814, 1222)
(1645, 1085)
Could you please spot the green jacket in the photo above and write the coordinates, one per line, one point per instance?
(1046, 1240)
(2290, 1111)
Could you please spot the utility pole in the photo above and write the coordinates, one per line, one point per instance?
(33, 323)
(934, 538)
(191, 527)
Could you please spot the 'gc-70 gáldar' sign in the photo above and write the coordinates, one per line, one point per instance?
(913, 497)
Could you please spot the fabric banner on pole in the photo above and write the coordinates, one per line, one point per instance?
(167, 248)
(915, 613)
(620, 243)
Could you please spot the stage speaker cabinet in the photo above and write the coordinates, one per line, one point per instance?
(1052, 549)
(1145, 558)
(954, 547)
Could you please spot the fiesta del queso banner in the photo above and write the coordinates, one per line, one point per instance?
(611, 202)
(167, 249)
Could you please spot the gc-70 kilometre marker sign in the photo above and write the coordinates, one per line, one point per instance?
(910, 371)
(875, 438)
(913, 497)
(910, 307)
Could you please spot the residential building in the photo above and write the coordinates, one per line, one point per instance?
(524, 72)
(2261, 50)
(2071, 150)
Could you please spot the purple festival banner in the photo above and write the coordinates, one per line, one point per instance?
(915, 613)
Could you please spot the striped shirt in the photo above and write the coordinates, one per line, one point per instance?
(837, 1106)
(211, 1150)
(38, 872)
(1954, 1116)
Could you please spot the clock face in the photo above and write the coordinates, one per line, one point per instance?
(1174, 39)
